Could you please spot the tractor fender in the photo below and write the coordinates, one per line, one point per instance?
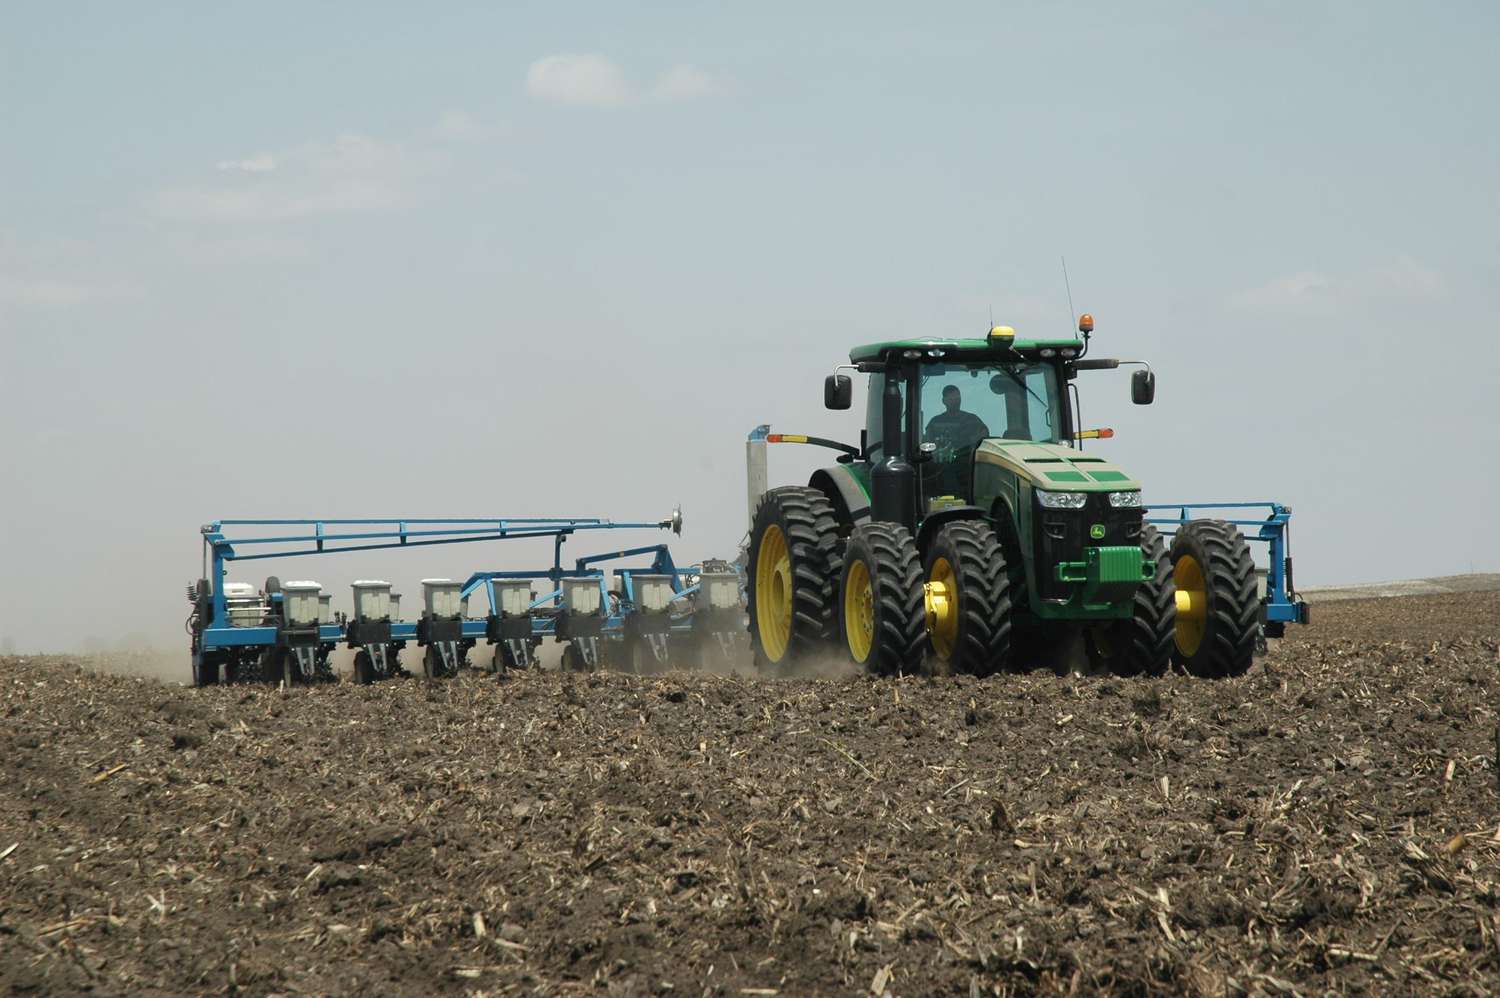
(935, 521)
(851, 504)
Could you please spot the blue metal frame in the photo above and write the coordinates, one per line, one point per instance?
(220, 549)
(1282, 602)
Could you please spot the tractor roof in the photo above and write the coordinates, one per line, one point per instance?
(961, 349)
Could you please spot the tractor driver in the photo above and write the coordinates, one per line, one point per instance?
(955, 433)
(953, 429)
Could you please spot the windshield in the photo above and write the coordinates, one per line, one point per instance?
(963, 404)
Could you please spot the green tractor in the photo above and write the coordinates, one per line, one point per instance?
(970, 532)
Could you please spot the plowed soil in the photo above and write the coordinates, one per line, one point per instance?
(1328, 822)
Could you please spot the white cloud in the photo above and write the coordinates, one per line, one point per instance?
(352, 174)
(1403, 279)
(593, 80)
(1283, 292)
(263, 163)
(685, 83)
(585, 80)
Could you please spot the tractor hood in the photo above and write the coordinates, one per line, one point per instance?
(1054, 467)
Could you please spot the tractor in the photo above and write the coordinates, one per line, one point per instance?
(970, 532)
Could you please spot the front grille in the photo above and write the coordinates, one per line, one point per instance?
(1062, 534)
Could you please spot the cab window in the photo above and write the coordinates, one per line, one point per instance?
(962, 405)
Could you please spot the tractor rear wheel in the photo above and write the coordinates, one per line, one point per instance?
(794, 567)
(1217, 604)
(882, 616)
(968, 599)
(1142, 644)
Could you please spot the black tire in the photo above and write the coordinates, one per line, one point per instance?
(639, 658)
(1226, 628)
(1142, 644)
(710, 655)
(981, 644)
(364, 668)
(897, 625)
(206, 672)
(807, 582)
(432, 665)
(271, 666)
(572, 659)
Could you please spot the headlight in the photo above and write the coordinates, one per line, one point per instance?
(1125, 500)
(1062, 500)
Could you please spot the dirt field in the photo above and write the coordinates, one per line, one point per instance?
(1327, 823)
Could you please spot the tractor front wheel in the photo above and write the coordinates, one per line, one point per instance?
(1218, 607)
(882, 618)
(794, 567)
(967, 595)
(1142, 644)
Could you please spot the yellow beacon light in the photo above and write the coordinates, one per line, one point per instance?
(1085, 323)
(1002, 336)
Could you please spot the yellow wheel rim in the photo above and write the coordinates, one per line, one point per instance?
(773, 593)
(1192, 604)
(942, 608)
(859, 611)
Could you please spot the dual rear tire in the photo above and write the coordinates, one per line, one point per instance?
(794, 566)
(866, 595)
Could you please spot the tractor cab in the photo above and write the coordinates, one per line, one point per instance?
(957, 405)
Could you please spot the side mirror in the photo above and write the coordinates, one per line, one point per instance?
(1143, 387)
(838, 391)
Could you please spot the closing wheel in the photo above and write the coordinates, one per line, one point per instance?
(640, 657)
(206, 670)
(794, 568)
(364, 669)
(967, 599)
(1142, 644)
(882, 615)
(1218, 608)
(433, 667)
(572, 659)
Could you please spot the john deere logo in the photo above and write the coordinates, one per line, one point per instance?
(1097, 531)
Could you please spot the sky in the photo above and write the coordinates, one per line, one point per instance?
(558, 259)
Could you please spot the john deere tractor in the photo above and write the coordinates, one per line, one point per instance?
(970, 530)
